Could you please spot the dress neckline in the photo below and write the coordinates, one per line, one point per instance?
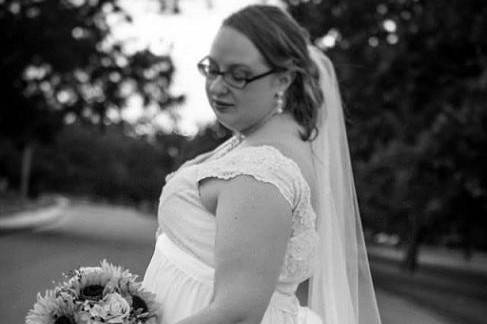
(234, 141)
(228, 147)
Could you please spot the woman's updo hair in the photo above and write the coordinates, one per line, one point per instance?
(284, 46)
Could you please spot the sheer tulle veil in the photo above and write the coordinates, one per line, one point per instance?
(341, 289)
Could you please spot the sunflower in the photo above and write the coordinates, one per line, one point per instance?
(52, 309)
(143, 302)
(90, 284)
(93, 283)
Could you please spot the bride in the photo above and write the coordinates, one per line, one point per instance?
(242, 226)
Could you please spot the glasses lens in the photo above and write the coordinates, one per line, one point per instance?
(208, 68)
(235, 78)
(204, 69)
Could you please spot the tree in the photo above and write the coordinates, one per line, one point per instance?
(414, 78)
(60, 61)
(112, 166)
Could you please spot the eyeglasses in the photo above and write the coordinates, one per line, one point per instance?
(235, 76)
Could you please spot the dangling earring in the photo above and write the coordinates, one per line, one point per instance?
(279, 102)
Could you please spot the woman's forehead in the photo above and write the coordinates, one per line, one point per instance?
(231, 47)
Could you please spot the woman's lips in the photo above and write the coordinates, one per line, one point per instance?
(221, 105)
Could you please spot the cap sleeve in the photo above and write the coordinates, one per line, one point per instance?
(265, 164)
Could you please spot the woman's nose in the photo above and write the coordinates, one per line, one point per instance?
(217, 85)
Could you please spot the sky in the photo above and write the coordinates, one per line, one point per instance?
(187, 37)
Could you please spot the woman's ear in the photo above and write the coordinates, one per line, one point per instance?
(285, 79)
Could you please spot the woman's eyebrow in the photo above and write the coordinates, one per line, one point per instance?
(239, 65)
(231, 65)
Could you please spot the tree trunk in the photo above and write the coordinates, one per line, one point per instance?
(410, 262)
(27, 153)
(467, 240)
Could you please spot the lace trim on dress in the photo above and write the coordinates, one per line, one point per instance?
(260, 163)
(219, 151)
(299, 256)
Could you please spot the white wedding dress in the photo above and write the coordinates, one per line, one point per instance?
(180, 272)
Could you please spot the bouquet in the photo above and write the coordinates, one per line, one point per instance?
(95, 295)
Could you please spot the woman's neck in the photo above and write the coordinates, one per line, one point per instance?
(273, 126)
(258, 125)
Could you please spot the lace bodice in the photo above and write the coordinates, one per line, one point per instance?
(267, 164)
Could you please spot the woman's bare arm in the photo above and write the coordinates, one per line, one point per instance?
(253, 227)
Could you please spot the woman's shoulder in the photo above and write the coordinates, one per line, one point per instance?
(263, 155)
(267, 161)
(294, 152)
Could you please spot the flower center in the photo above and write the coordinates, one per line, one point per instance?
(93, 292)
(64, 320)
(137, 303)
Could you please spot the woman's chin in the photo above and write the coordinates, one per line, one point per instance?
(229, 123)
(227, 113)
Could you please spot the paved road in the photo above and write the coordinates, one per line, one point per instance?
(457, 294)
(31, 261)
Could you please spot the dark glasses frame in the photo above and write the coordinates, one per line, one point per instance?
(202, 67)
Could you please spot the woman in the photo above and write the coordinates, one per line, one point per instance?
(243, 225)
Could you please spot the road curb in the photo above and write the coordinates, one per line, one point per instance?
(35, 218)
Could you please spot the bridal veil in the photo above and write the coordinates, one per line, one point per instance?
(341, 289)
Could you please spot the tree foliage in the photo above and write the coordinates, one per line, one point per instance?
(111, 166)
(61, 62)
(413, 75)
(59, 58)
